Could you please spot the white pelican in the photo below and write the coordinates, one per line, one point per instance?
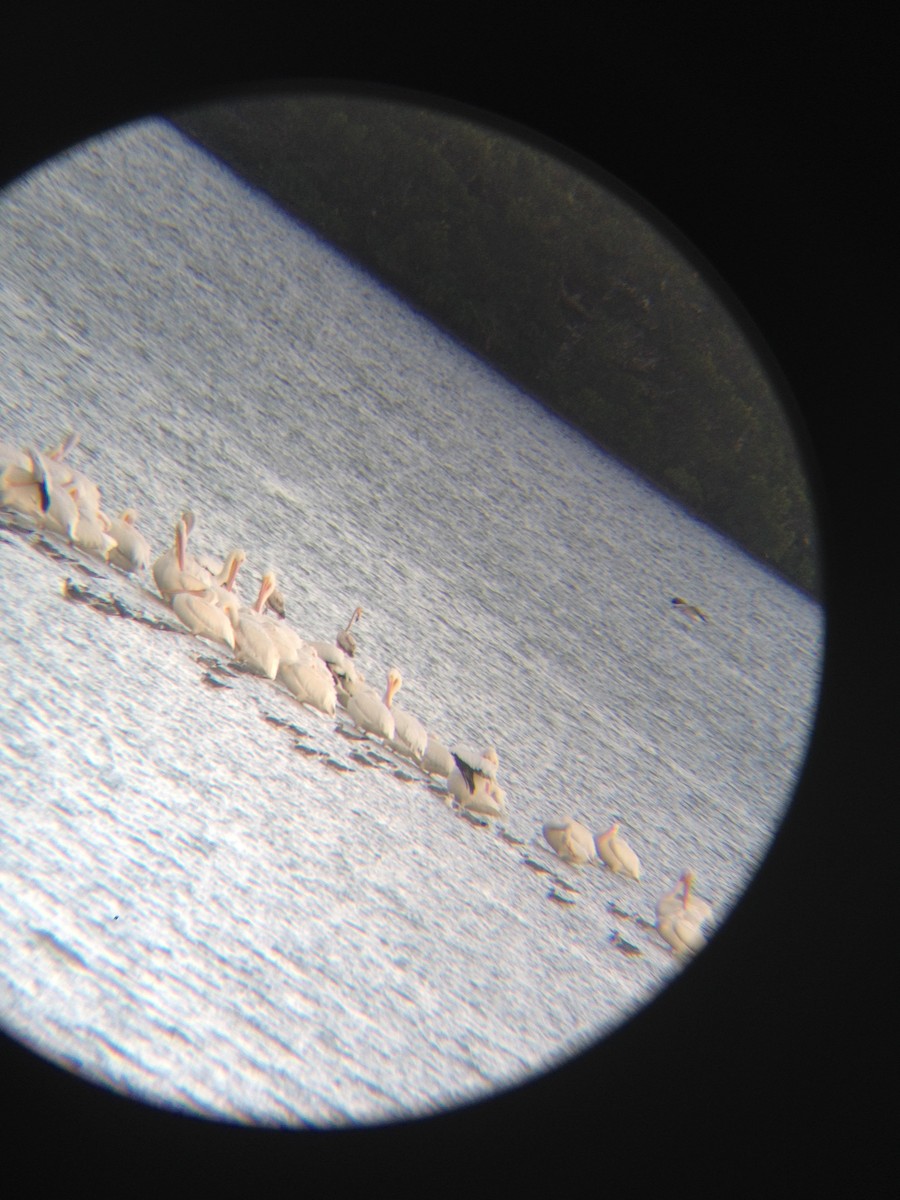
(28, 487)
(170, 570)
(203, 616)
(341, 667)
(192, 562)
(25, 485)
(679, 916)
(437, 759)
(680, 899)
(262, 643)
(254, 643)
(571, 840)
(488, 799)
(410, 735)
(289, 644)
(223, 585)
(689, 610)
(682, 933)
(132, 550)
(371, 714)
(473, 781)
(617, 854)
(94, 532)
(345, 639)
(222, 573)
(698, 908)
(308, 679)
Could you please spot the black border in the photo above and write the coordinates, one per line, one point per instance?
(763, 137)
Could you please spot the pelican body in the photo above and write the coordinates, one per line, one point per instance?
(264, 645)
(473, 782)
(410, 735)
(679, 916)
(371, 714)
(171, 571)
(203, 616)
(132, 550)
(571, 840)
(308, 680)
(437, 759)
(617, 854)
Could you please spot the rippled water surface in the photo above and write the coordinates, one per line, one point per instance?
(214, 898)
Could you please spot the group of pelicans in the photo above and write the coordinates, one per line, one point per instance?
(201, 592)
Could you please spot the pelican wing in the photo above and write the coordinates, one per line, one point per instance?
(465, 769)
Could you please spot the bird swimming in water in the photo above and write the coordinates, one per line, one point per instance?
(679, 916)
(617, 854)
(473, 782)
(688, 610)
(571, 840)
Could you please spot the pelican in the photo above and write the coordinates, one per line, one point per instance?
(289, 644)
(437, 759)
(473, 781)
(91, 531)
(681, 900)
(222, 573)
(170, 571)
(571, 840)
(83, 489)
(345, 639)
(371, 714)
(223, 584)
(699, 909)
(679, 916)
(488, 799)
(617, 854)
(203, 616)
(689, 610)
(410, 735)
(682, 934)
(254, 641)
(132, 550)
(92, 534)
(308, 679)
(263, 643)
(339, 657)
(341, 667)
(28, 487)
(25, 485)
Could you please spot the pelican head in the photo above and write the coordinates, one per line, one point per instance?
(394, 684)
(235, 560)
(266, 588)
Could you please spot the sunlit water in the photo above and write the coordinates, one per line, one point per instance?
(210, 896)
